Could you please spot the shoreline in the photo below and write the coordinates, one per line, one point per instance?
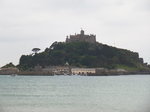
(100, 74)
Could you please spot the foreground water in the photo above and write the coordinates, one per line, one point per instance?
(75, 93)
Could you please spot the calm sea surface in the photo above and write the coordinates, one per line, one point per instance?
(75, 93)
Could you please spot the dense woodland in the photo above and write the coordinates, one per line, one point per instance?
(82, 54)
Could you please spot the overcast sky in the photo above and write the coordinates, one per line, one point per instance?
(25, 24)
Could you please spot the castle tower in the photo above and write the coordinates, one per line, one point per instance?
(82, 32)
(81, 38)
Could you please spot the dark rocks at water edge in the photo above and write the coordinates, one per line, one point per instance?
(67, 70)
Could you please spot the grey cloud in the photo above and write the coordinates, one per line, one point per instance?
(142, 5)
(146, 5)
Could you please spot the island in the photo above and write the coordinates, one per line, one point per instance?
(82, 55)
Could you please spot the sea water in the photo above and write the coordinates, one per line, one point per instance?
(75, 93)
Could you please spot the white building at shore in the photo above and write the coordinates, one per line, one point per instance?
(83, 71)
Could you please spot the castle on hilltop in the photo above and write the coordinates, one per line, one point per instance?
(81, 38)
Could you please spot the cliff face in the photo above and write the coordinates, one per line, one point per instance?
(82, 54)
